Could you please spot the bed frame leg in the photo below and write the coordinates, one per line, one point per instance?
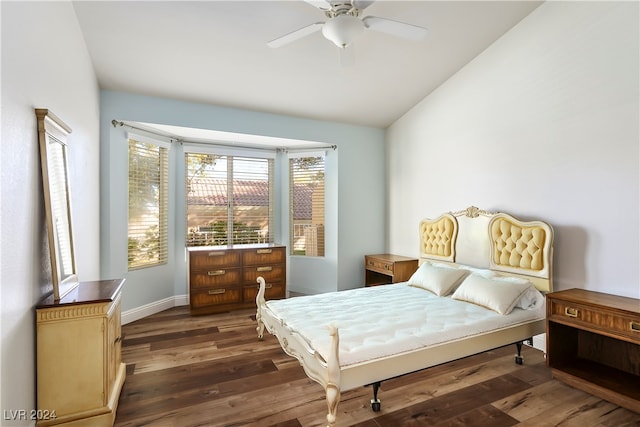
(333, 376)
(260, 302)
(375, 402)
(519, 358)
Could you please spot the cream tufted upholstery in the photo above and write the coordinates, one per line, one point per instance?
(519, 246)
(438, 237)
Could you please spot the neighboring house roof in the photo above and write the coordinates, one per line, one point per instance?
(213, 192)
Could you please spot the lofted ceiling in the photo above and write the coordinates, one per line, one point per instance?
(216, 52)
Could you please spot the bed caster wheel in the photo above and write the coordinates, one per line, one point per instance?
(519, 360)
(375, 405)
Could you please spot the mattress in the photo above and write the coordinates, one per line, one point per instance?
(381, 321)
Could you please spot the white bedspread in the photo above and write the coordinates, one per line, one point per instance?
(385, 320)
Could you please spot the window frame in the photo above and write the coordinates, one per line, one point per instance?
(230, 154)
(320, 250)
(162, 203)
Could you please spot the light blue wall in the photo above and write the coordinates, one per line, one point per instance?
(355, 200)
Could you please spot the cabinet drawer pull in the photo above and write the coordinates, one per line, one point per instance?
(217, 253)
(216, 273)
(268, 268)
(216, 291)
(266, 286)
(264, 251)
(571, 312)
(634, 326)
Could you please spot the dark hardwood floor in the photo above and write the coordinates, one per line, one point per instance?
(213, 371)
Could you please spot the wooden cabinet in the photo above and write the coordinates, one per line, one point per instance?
(78, 356)
(593, 343)
(388, 268)
(223, 278)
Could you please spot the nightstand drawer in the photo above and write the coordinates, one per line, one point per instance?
(381, 266)
(612, 323)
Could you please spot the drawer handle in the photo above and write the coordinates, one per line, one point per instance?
(217, 291)
(264, 251)
(571, 312)
(217, 253)
(634, 326)
(216, 273)
(267, 286)
(268, 268)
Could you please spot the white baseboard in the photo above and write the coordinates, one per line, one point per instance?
(153, 308)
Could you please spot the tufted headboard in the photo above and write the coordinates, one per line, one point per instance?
(496, 241)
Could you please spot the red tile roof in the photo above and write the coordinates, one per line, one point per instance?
(211, 191)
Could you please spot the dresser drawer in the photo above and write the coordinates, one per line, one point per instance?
(215, 277)
(216, 296)
(203, 260)
(379, 265)
(273, 291)
(263, 256)
(599, 318)
(272, 273)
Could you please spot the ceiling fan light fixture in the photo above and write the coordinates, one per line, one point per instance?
(342, 29)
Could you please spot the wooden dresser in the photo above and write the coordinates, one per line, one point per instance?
(223, 278)
(593, 343)
(387, 268)
(78, 356)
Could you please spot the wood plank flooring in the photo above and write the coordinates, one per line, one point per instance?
(212, 370)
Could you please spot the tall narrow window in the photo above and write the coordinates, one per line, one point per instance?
(229, 199)
(148, 204)
(306, 201)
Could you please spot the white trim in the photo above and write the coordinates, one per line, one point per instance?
(302, 154)
(148, 139)
(153, 308)
(230, 150)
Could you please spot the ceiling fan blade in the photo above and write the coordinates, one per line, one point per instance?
(395, 28)
(362, 4)
(295, 35)
(320, 4)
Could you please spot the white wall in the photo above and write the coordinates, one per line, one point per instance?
(543, 124)
(355, 205)
(45, 64)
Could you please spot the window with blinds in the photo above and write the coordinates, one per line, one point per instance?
(229, 199)
(148, 204)
(306, 201)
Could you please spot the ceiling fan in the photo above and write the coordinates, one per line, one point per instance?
(344, 24)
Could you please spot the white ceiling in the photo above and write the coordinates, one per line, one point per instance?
(215, 52)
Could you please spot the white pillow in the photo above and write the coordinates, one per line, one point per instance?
(493, 293)
(439, 280)
(530, 298)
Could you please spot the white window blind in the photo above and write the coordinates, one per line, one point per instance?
(229, 199)
(148, 204)
(306, 201)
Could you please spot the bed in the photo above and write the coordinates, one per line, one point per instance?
(480, 285)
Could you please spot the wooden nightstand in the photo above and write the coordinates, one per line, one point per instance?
(593, 343)
(387, 268)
